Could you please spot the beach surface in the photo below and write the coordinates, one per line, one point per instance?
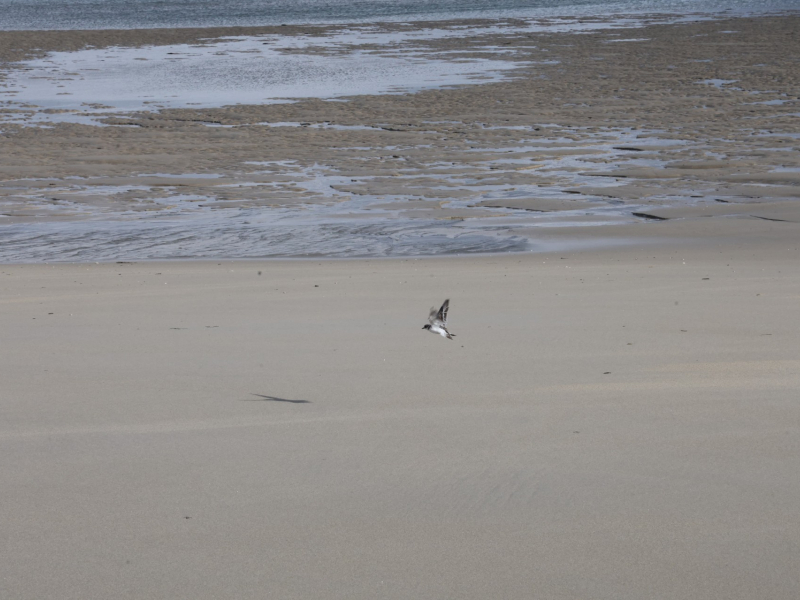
(615, 424)
(563, 126)
(617, 417)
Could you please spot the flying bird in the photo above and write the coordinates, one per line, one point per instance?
(437, 321)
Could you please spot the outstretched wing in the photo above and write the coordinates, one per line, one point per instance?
(432, 316)
(442, 315)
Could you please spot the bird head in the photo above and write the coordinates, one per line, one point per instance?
(426, 326)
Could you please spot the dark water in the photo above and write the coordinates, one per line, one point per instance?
(114, 14)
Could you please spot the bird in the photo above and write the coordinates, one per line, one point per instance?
(437, 321)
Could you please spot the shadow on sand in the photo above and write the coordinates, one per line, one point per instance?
(262, 398)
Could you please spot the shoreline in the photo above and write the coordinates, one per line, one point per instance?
(432, 20)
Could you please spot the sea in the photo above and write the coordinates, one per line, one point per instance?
(132, 14)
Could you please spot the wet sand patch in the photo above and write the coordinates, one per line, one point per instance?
(594, 141)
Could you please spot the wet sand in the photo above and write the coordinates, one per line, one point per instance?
(614, 424)
(620, 126)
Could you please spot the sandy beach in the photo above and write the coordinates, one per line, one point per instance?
(617, 417)
(616, 424)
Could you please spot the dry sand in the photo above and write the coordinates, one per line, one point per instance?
(615, 424)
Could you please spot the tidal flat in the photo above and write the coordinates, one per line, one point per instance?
(541, 132)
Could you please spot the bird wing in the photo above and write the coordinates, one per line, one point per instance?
(442, 315)
(432, 316)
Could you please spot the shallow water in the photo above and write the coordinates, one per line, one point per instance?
(248, 70)
(246, 234)
(332, 222)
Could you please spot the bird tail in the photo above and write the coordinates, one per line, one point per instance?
(450, 336)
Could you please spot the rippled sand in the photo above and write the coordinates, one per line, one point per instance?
(614, 126)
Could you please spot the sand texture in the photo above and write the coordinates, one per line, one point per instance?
(627, 126)
(617, 417)
(617, 424)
